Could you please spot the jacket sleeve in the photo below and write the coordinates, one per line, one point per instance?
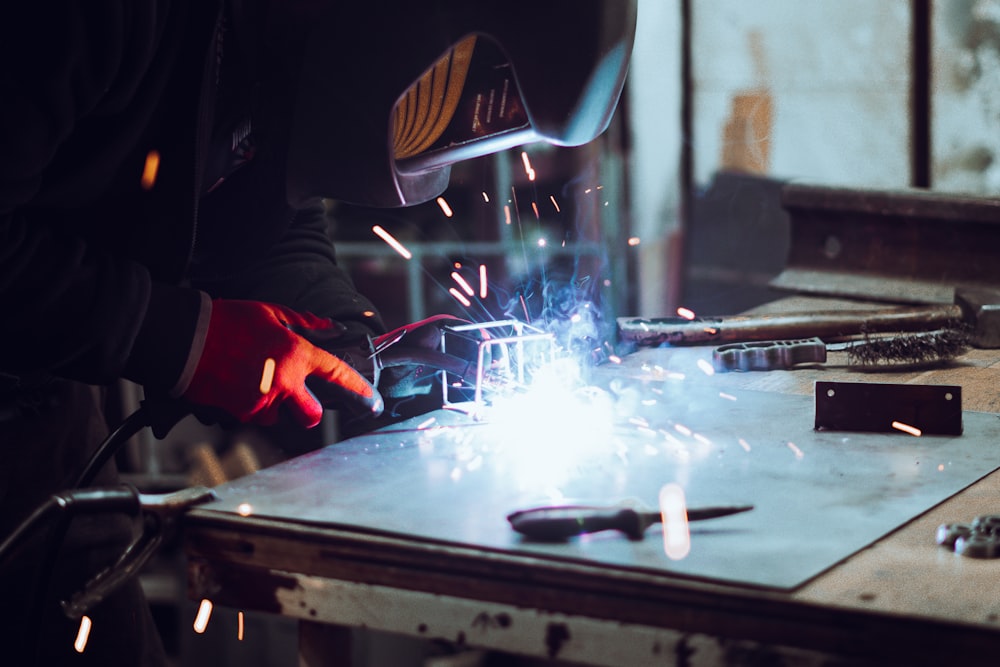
(300, 270)
(68, 307)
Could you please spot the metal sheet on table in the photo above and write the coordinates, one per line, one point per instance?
(819, 496)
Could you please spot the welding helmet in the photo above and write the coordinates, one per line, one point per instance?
(392, 93)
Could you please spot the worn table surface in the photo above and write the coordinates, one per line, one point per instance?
(899, 586)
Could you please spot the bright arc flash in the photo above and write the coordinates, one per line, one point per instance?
(391, 240)
(686, 313)
(484, 288)
(906, 428)
(267, 377)
(204, 613)
(83, 634)
(463, 283)
(444, 207)
(461, 298)
(673, 514)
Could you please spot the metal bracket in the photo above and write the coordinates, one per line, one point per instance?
(886, 408)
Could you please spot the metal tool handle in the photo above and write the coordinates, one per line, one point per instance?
(822, 324)
(768, 355)
(552, 524)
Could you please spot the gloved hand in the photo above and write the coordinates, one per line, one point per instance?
(233, 371)
(410, 357)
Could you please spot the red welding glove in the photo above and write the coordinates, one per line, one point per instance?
(256, 362)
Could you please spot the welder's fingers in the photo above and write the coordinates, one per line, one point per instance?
(335, 382)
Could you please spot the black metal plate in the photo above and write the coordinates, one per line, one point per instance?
(884, 408)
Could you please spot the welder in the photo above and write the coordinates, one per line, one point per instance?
(162, 168)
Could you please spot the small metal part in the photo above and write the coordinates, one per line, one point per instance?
(980, 539)
(887, 408)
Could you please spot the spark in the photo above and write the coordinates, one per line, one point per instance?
(614, 358)
(906, 428)
(710, 330)
(575, 318)
(486, 197)
(706, 367)
(244, 509)
(483, 283)
(444, 207)
(673, 514)
(534, 207)
(456, 474)
(542, 243)
(204, 613)
(461, 298)
(794, 448)
(391, 240)
(744, 444)
(457, 265)
(686, 313)
(940, 467)
(527, 166)
(463, 283)
(369, 313)
(506, 213)
(83, 634)
(634, 241)
(728, 397)
(267, 377)
(426, 423)
(552, 198)
(239, 626)
(702, 439)
(150, 169)
(682, 429)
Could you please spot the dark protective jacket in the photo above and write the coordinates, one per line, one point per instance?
(102, 276)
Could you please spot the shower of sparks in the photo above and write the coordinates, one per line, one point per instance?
(463, 283)
(444, 207)
(906, 428)
(798, 452)
(486, 198)
(83, 634)
(391, 240)
(150, 169)
(673, 514)
(244, 509)
(204, 613)
(527, 166)
(686, 313)
(634, 241)
(706, 367)
(483, 282)
(461, 298)
(267, 377)
(239, 626)
(555, 203)
(506, 213)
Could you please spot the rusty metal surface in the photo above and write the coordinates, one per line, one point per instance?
(900, 246)
(819, 496)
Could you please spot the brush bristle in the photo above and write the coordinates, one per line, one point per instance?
(917, 348)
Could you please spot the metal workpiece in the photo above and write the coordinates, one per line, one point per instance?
(447, 479)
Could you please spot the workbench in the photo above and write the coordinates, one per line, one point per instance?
(898, 598)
